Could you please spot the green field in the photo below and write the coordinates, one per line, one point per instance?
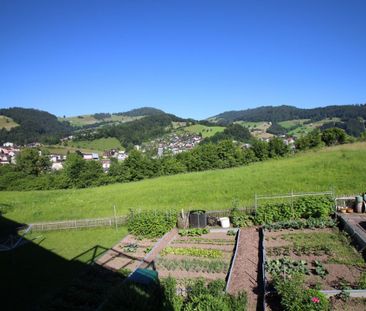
(205, 131)
(100, 144)
(7, 123)
(302, 128)
(319, 170)
(89, 119)
(59, 149)
(77, 243)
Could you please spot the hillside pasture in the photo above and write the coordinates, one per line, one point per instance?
(82, 120)
(7, 123)
(205, 131)
(317, 170)
(99, 144)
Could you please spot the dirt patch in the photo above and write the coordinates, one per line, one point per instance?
(352, 304)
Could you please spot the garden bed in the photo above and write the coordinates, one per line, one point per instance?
(127, 254)
(205, 256)
(324, 256)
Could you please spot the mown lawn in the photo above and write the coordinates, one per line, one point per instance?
(338, 167)
(81, 244)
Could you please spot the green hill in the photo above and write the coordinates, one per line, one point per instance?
(34, 126)
(338, 167)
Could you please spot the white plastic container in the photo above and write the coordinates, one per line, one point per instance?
(225, 222)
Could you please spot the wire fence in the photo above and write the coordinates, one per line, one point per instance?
(81, 223)
(122, 220)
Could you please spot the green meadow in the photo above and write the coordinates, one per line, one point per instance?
(338, 168)
(99, 144)
(205, 131)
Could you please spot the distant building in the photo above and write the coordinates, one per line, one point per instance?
(56, 166)
(160, 151)
(90, 156)
(8, 144)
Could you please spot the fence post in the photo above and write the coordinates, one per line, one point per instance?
(292, 203)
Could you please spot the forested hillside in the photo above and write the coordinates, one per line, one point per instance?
(135, 132)
(283, 113)
(34, 126)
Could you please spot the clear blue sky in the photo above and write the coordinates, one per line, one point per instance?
(192, 58)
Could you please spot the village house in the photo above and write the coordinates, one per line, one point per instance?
(90, 156)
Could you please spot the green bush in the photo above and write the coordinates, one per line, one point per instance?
(240, 219)
(305, 207)
(151, 224)
(295, 297)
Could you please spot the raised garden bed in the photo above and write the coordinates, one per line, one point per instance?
(127, 254)
(324, 256)
(192, 256)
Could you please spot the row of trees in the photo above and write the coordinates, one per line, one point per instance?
(32, 170)
(316, 138)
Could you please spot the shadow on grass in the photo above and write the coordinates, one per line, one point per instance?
(34, 278)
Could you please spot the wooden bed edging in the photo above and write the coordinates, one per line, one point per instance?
(233, 260)
(356, 293)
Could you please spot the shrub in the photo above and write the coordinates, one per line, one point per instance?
(151, 224)
(295, 297)
(240, 219)
(305, 207)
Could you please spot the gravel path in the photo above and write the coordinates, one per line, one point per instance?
(244, 275)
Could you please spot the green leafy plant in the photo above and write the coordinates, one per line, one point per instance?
(362, 281)
(295, 297)
(151, 224)
(240, 219)
(231, 232)
(195, 252)
(193, 232)
(194, 240)
(147, 250)
(286, 266)
(130, 248)
(320, 269)
(196, 265)
(310, 223)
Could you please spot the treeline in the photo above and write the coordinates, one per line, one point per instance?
(34, 126)
(284, 113)
(232, 132)
(32, 171)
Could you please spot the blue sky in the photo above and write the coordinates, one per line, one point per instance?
(192, 58)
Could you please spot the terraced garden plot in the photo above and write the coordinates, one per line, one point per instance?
(324, 256)
(207, 256)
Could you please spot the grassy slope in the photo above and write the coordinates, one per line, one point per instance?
(206, 131)
(339, 167)
(100, 144)
(7, 123)
(89, 119)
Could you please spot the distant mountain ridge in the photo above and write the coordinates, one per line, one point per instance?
(283, 113)
(143, 111)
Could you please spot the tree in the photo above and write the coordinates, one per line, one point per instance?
(32, 162)
(277, 148)
(74, 165)
(334, 136)
(260, 149)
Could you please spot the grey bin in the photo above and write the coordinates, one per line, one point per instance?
(197, 219)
